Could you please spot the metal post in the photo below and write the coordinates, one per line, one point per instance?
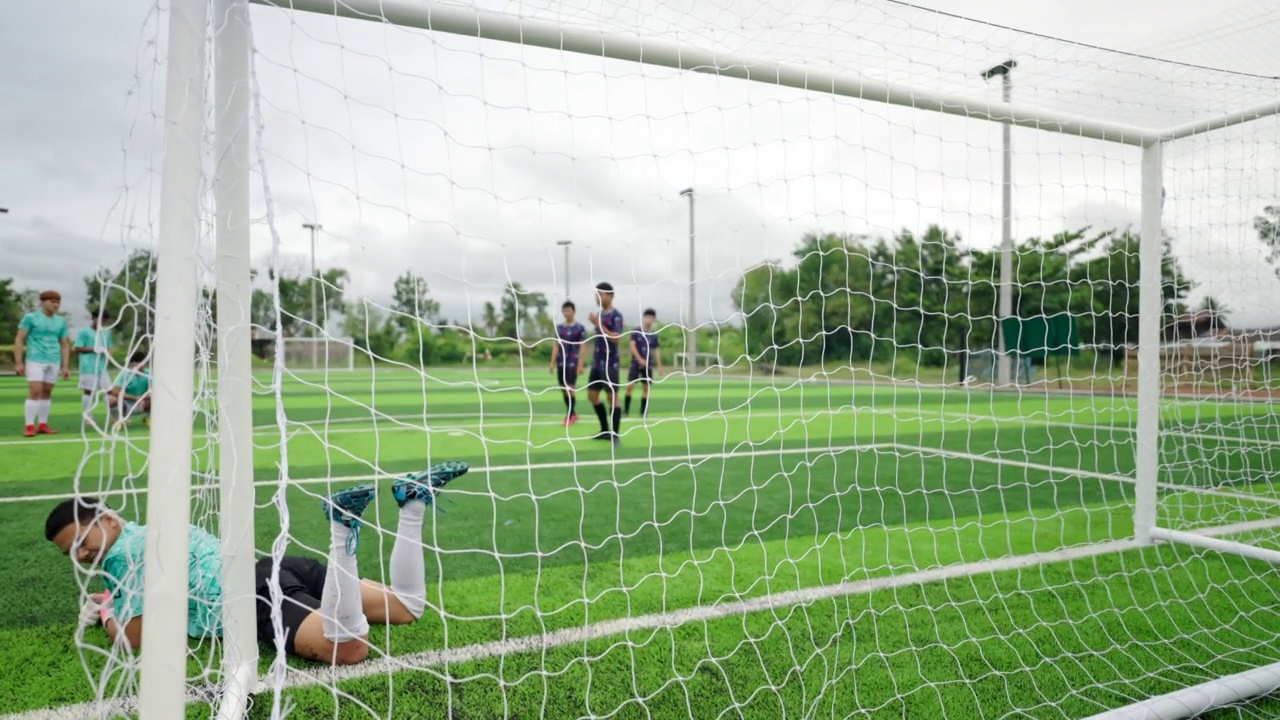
(315, 316)
(163, 684)
(1150, 307)
(692, 360)
(565, 244)
(235, 386)
(1004, 368)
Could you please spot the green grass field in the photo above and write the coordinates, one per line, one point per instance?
(760, 541)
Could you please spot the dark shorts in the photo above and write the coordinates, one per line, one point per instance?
(301, 585)
(603, 378)
(640, 374)
(567, 376)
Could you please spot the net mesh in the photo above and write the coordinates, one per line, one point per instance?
(841, 514)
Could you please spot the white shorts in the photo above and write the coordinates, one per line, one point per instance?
(42, 372)
(95, 383)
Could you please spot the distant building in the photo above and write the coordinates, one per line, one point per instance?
(1195, 326)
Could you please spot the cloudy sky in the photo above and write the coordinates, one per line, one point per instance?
(464, 161)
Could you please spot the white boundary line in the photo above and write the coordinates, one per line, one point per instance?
(385, 665)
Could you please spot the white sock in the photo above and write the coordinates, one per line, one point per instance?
(340, 602)
(87, 401)
(42, 411)
(408, 569)
(30, 409)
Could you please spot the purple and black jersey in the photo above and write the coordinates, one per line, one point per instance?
(646, 343)
(606, 352)
(571, 339)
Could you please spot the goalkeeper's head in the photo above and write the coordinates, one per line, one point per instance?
(83, 528)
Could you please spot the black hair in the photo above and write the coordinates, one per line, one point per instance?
(82, 509)
(102, 313)
(138, 357)
(604, 287)
(650, 312)
(569, 304)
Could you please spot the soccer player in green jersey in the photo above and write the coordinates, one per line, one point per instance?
(325, 609)
(42, 352)
(131, 392)
(92, 345)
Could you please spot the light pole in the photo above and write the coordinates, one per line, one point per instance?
(315, 317)
(692, 360)
(565, 244)
(1004, 361)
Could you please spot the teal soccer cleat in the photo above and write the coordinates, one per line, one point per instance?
(347, 507)
(423, 485)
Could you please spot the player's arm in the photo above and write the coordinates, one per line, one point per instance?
(635, 352)
(66, 356)
(130, 633)
(555, 353)
(19, 348)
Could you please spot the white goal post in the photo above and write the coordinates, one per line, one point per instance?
(163, 690)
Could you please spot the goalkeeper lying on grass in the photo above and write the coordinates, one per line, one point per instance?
(325, 610)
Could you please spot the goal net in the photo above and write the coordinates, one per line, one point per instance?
(970, 432)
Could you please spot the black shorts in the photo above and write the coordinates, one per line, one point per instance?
(640, 374)
(567, 376)
(604, 378)
(301, 585)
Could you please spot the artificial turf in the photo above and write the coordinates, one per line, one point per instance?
(734, 489)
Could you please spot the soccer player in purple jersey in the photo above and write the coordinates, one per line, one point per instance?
(566, 359)
(646, 361)
(604, 363)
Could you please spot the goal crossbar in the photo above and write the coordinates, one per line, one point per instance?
(505, 27)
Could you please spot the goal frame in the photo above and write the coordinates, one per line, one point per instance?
(162, 691)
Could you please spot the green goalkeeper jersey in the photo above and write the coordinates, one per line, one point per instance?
(124, 567)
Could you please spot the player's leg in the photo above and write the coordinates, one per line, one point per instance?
(647, 381)
(342, 612)
(571, 388)
(614, 375)
(598, 381)
(632, 374)
(406, 599)
(31, 409)
(91, 387)
(46, 400)
(299, 584)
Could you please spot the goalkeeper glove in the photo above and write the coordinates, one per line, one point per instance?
(96, 609)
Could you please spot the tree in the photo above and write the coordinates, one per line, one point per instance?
(371, 329)
(490, 319)
(415, 313)
(13, 305)
(1268, 227)
(129, 293)
(522, 313)
(922, 296)
(412, 301)
(295, 299)
(1213, 305)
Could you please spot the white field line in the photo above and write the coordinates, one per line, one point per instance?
(695, 458)
(398, 424)
(386, 665)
